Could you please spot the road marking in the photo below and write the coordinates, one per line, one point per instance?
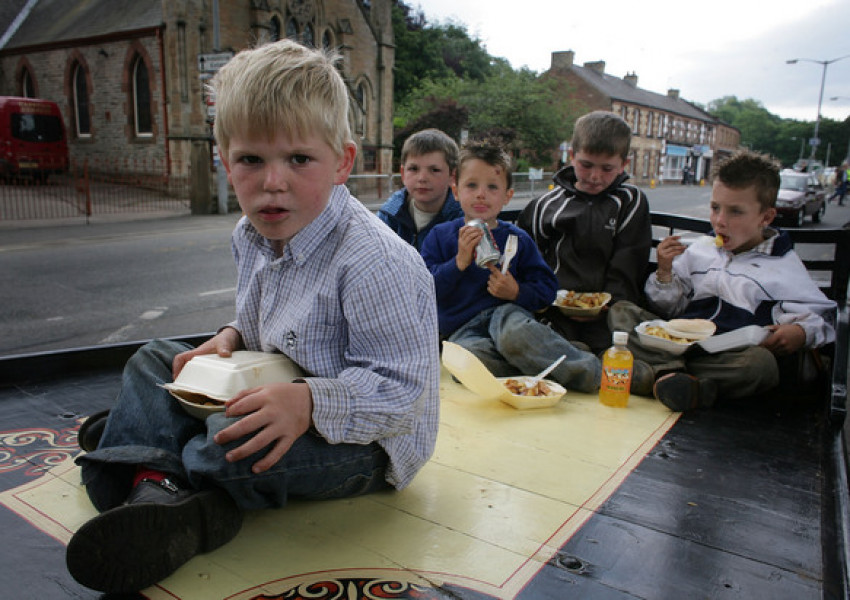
(117, 336)
(123, 334)
(214, 292)
(150, 315)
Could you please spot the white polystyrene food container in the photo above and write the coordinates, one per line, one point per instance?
(692, 329)
(217, 379)
(472, 373)
(651, 341)
(577, 311)
(751, 335)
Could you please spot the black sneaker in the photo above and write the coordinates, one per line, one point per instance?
(680, 392)
(143, 541)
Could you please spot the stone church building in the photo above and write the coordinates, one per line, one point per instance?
(129, 75)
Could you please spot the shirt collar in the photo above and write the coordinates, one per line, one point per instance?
(766, 247)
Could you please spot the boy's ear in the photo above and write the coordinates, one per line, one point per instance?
(346, 163)
(769, 216)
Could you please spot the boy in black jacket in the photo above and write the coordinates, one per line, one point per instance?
(593, 228)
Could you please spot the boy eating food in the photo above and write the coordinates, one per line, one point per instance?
(750, 276)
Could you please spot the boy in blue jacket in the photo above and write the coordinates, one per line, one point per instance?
(488, 312)
(428, 166)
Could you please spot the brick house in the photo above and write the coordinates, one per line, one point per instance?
(129, 74)
(669, 134)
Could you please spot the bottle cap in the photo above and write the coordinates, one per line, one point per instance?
(621, 338)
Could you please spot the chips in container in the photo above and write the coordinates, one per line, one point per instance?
(581, 304)
(472, 373)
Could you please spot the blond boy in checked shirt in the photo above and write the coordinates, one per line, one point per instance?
(321, 280)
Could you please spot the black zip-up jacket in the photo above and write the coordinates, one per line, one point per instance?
(594, 243)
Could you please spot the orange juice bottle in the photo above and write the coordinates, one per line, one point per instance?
(617, 364)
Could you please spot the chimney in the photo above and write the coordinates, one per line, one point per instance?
(598, 66)
(631, 79)
(672, 93)
(563, 59)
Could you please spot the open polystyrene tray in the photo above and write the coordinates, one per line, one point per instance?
(472, 373)
(752, 335)
(578, 311)
(216, 378)
(652, 341)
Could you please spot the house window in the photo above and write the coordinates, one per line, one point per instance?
(636, 121)
(291, 29)
(274, 29)
(649, 124)
(27, 84)
(81, 102)
(142, 98)
(308, 37)
(327, 40)
(646, 155)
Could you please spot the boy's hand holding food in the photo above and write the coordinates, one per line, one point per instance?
(669, 248)
(224, 343)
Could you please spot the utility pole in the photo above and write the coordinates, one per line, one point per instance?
(815, 141)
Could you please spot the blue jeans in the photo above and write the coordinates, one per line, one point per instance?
(510, 341)
(148, 427)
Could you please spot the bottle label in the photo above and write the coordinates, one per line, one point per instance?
(616, 378)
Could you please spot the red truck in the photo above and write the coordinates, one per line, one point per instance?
(32, 138)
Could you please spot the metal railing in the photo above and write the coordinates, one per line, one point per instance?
(95, 188)
(126, 187)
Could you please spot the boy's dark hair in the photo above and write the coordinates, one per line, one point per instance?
(431, 140)
(746, 168)
(602, 132)
(489, 152)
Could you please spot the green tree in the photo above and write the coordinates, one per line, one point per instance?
(433, 52)
(786, 139)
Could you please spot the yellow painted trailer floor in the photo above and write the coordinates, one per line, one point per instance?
(503, 492)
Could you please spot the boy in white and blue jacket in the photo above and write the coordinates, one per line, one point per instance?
(751, 277)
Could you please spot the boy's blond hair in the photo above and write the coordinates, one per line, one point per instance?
(602, 132)
(489, 152)
(281, 86)
(746, 168)
(431, 140)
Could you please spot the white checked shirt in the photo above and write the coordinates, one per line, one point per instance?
(354, 306)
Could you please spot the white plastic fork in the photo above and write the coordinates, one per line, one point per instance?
(530, 383)
(510, 252)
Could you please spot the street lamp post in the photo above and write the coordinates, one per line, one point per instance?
(825, 63)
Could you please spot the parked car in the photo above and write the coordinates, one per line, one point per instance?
(800, 195)
(32, 138)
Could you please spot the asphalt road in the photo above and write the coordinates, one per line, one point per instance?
(72, 285)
